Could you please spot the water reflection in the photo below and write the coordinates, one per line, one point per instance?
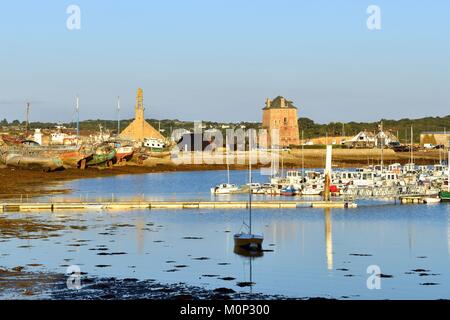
(329, 238)
(140, 235)
(248, 257)
(448, 232)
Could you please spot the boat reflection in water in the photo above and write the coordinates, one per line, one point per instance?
(248, 255)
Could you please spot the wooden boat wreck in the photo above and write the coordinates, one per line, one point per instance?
(102, 155)
(123, 154)
(33, 162)
(78, 158)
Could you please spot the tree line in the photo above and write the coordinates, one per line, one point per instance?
(309, 128)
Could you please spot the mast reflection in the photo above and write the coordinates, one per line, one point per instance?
(329, 238)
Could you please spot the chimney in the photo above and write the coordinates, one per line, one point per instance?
(283, 102)
(268, 103)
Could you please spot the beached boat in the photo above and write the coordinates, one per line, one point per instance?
(444, 196)
(11, 140)
(124, 154)
(102, 155)
(34, 162)
(78, 158)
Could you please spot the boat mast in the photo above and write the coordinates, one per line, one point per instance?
(382, 146)
(226, 159)
(412, 147)
(250, 179)
(78, 115)
(448, 176)
(28, 119)
(118, 116)
(303, 154)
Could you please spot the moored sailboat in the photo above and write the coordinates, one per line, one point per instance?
(246, 239)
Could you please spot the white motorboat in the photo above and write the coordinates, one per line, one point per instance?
(225, 188)
(432, 200)
(312, 190)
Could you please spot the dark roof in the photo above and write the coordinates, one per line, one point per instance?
(276, 104)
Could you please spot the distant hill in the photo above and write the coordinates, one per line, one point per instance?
(310, 128)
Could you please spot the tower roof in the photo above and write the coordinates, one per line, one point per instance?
(279, 103)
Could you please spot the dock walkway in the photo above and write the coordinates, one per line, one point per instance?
(168, 205)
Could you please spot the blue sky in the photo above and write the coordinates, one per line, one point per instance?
(219, 60)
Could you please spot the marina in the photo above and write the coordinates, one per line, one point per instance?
(313, 252)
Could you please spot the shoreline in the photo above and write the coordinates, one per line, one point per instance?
(17, 283)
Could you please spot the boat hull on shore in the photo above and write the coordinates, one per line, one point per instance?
(124, 154)
(75, 158)
(445, 196)
(28, 162)
(101, 158)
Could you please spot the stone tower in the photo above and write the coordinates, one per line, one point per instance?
(139, 107)
(140, 129)
(281, 114)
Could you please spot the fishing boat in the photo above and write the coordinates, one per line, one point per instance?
(246, 239)
(78, 158)
(102, 155)
(11, 140)
(33, 162)
(124, 154)
(444, 196)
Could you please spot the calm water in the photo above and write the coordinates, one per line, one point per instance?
(312, 252)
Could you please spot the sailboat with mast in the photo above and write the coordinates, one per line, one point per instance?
(246, 239)
(226, 188)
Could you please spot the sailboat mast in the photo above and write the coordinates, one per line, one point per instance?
(412, 142)
(28, 119)
(303, 154)
(250, 179)
(226, 159)
(78, 115)
(118, 115)
(448, 176)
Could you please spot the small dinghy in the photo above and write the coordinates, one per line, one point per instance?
(432, 200)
